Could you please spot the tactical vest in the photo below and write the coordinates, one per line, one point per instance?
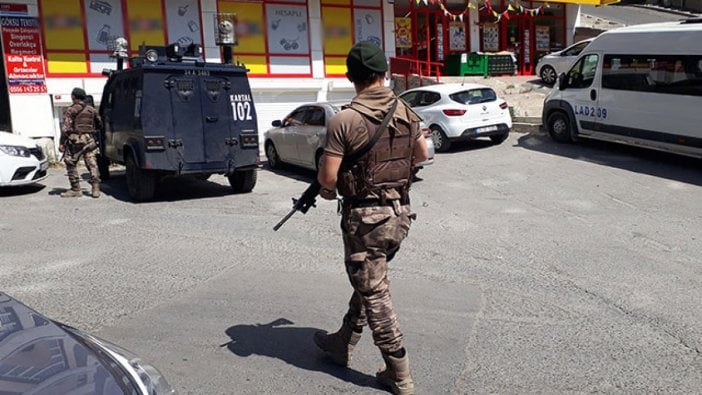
(387, 165)
(83, 121)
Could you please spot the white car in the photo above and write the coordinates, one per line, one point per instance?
(460, 112)
(299, 138)
(552, 65)
(22, 162)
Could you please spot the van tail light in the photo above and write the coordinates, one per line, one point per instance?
(426, 132)
(504, 105)
(453, 113)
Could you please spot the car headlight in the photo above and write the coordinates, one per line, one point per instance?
(148, 378)
(15, 150)
(153, 380)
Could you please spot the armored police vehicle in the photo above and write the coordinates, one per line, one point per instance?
(171, 113)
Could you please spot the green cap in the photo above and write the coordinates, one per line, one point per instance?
(367, 55)
(78, 93)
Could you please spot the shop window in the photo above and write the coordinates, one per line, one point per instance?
(274, 37)
(79, 34)
(345, 22)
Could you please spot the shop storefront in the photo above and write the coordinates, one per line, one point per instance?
(432, 30)
(295, 49)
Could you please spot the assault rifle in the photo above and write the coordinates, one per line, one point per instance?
(86, 148)
(302, 204)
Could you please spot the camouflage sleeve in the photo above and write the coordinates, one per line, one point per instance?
(68, 117)
(98, 121)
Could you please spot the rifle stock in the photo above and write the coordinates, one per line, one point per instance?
(302, 204)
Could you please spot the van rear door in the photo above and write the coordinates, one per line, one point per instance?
(217, 117)
(185, 94)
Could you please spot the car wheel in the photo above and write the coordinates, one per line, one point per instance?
(272, 155)
(548, 75)
(558, 126)
(499, 138)
(141, 184)
(103, 167)
(441, 142)
(243, 181)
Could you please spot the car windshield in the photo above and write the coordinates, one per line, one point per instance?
(474, 96)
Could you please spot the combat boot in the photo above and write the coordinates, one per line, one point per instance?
(74, 191)
(71, 193)
(338, 346)
(396, 374)
(96, 190)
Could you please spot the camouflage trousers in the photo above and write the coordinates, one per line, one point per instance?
(73, 147)
(372, 236)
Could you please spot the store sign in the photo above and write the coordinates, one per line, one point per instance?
(24, 62)
(13, 9)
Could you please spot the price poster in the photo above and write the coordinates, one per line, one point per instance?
(491, 37)
(543, 38)
(24, 62)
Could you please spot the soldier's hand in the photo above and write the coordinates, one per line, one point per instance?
(62, 148)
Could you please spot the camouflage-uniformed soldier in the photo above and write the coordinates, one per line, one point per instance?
(375, 210)
(80, 121)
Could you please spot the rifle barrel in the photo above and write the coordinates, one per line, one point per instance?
(284, 220)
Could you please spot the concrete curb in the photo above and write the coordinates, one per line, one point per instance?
(526, 125)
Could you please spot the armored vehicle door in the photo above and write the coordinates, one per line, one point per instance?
(201, 117)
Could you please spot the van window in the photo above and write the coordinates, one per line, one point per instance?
(669, 74)
(583, 71)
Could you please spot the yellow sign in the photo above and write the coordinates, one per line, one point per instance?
(249, 26)
(336, 25)
(403, 32)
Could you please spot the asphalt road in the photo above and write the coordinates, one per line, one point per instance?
(533, 267)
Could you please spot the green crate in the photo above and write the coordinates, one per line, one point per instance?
(466, 64)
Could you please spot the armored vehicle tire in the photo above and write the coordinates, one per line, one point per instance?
(243, 181)
(141, 184)
(104, 167)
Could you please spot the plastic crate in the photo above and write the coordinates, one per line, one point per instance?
(466, 64)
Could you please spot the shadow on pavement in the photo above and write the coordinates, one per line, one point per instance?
(292, 345)
(463, 146)
(291, 171)
(640, 160)
(21, 190)
(168, 189)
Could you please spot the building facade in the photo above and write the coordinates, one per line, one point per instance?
(295, 49)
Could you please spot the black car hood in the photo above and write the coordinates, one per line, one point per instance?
(40, 356)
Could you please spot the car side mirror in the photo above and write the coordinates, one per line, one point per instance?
(277, 123)
(562, 82)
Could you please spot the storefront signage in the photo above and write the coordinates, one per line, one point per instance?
(403, 32)
(13, 9)
(24, 62)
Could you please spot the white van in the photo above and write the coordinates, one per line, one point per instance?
(639, 85)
